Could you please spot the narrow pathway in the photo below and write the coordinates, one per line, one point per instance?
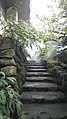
(42, 97)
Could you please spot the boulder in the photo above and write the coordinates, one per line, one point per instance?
(9, 53)
(7, 62)
(9, 70)
(12, 60)
(6, 44)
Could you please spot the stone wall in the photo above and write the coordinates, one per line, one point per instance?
(2, 6)
(12, 60)
(23, 7)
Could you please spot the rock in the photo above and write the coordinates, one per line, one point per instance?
(31, 117)
(36, 70)
(23, 70)
(18, 60)
(64, 117)
(6, 44)
(43, 115)
(12, 60)
(42, 97)
(6, 62)
(10, 70)
(38, 97)
(38, 74)
(40, 79)
(21, 75)
(40, 86)
(35, 67)
(1, 39)
(7, 53)
(65, 85)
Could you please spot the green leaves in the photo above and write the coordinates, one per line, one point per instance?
(44, 50)
(9, 98)
(18, 105)
(10, 80)
(2, 75)
(2, 97)
(21, 32)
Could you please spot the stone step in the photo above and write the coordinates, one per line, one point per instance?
(38, 74)
(35, 67)
(40, 79)
(36, 70)
(42, 97)
(32, 62)
(40, 86)
(56, 111)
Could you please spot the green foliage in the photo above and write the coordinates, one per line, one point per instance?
(51, 70)
(55, 27)
(9, 98)
(53, 66)
(45, 49)
(63, 6)
(21, 32)
(56, 24)
(53, 62)
(62, 56)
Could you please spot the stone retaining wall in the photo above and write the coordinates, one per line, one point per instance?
(12, 60)
(59, 75)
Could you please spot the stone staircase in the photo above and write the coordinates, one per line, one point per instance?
(42, 97)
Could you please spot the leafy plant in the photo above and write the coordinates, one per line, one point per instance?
(9, 98)
(21, 32)
(53, 62)
(44, 49)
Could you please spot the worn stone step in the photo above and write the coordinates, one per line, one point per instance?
(33, 62)
(36, 70)
(40, 86)
(38, 74)
(40, 79)
(35, 67)
(42, 97)
(56, 111)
